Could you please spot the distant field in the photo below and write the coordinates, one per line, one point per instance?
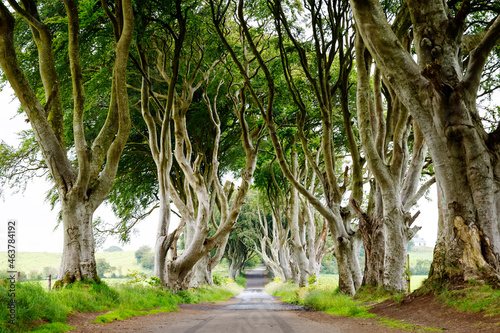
(27, 262)
(333, 280)
(414, 256)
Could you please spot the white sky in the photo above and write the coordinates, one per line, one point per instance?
(36, 221)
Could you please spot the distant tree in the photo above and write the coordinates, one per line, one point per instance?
(147, 260)
(50, 271)
(103, 267)
(422, 267)
(329, 265)
(240, 248)
(35, 275)
(141, 252)
(114, 248)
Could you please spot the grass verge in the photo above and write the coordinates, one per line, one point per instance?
(471, 297)
(326, 297)
(41, 311)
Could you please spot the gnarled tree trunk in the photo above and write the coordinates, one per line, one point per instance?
(82, 186)
(78, 261)
(442, 100)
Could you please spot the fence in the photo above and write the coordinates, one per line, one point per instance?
(49, 280)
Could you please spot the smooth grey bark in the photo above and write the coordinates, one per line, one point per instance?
(442, 101)
(178, 270)
(326, 47)
(160, 145)
(274, 246)
(345, 238)
(297, 242)
(397, 179)
(315, 238)
(81, 188)
(202, 271)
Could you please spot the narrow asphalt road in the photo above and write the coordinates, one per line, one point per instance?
(253, 311)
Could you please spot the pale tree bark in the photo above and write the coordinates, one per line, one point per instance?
(238, 255)
(315, 238)
(307, 241)
(442, 100)
(396, 182)
(178, 270)
(314, 234)
(81, 189)
(296, 231)
(345, 238)
(274, 243)
(325, 89)
(159, 131)
(178, 60)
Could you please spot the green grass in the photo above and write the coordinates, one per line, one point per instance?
(36, 306)
(27, 262)
(333, 279)
(416, 281)
(135, 299)
(53, 328)
(415, 256)
(393, 323)
(473, 298)
(241, 280)
(332, 302)
(328, 279)
(326, 297)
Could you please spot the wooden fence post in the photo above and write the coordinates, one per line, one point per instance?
(50, 280)
(408, 278)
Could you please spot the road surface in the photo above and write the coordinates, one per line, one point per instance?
(253, 311)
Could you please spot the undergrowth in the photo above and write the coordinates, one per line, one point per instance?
(319, 297)
(41, 311)
(394, 323)
(471, 297)
(327, 298)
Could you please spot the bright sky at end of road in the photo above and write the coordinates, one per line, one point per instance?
(37, 221)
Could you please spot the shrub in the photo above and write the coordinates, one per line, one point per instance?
(32, 303)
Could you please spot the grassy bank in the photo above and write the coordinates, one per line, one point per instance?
(473, 297)
(42, 311)
(44, 263)
(325, 297)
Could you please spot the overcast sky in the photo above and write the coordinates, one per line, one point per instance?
(36, 221)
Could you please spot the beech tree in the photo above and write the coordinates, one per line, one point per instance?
(240, 245)
(274, 241)
(387, 138)
(187, 71)
(440, 90)
(82, 182)
(387, 227)
(330, 44)
(277, 245)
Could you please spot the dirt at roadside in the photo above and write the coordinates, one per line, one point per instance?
(423, 311)
(426, 311)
